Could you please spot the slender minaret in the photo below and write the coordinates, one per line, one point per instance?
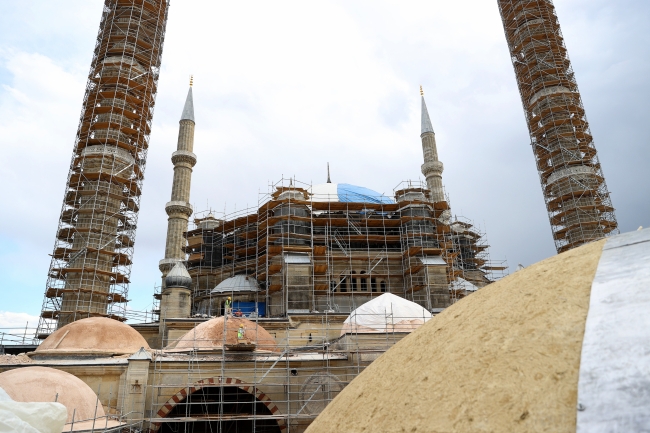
(179, 208)
(432, 167)
(577, 200)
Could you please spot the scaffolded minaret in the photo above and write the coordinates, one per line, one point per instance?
(432, 167)
(461, 242)
(577, 199)
(91, 263)
(179, 208)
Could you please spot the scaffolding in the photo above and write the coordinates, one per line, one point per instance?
(296, 265)
(296, 252)
(577, 199)
(214, 386)
(312, 254)
(91, 263)
(472, 262)
(16, 337)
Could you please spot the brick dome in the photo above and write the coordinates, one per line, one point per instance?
(210, 335)
(43, 384)
(94, 336)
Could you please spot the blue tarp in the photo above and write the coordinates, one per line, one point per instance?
(249, 307)
(357, 194)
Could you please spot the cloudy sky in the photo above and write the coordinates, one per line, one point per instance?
(282, 88)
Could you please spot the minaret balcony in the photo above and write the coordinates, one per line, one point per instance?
(432, 168)
(178, 207)
(185, 156)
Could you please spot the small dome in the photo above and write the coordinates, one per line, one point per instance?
(210, 335)
(42, 384)
(386, 313)
(94, 336)
(238, 283)
(178, 277)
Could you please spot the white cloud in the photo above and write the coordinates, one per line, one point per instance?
(12, 323)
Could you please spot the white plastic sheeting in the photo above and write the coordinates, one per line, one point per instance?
(433, 260)
(297, 259)
(386, 313)
(463, 284)
(346, 193)
(324, 192)
(614, 378)
(19, 417)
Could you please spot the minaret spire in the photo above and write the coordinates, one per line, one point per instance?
(328, 173)
(432, 167)
(426, 121)
(188, 109)
(179, 208)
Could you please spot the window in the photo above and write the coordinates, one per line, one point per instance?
(383, 286)
(343, 287)
(364, 282)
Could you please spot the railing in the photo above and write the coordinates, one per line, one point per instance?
(18, 335)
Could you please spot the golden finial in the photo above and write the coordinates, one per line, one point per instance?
(421, 91)
(191, 80)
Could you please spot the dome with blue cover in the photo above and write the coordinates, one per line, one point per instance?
(346, 193)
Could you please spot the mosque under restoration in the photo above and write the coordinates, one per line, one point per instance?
(316, 249)
(263, 315)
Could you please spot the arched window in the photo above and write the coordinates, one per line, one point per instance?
(364, 282)
(373, 284)
(355, 284)
(383, 286)
(211, 402)
(343, 287)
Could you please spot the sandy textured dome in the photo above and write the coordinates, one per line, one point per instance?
(92, 336)
(210, 335)
(42, 384)
(553, 347)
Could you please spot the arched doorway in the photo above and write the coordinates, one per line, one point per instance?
(210, 407)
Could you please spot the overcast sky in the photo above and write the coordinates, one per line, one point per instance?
(281, 88)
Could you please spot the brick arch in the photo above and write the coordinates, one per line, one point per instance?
(181, 395)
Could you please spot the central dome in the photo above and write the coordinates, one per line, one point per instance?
(346, 193)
